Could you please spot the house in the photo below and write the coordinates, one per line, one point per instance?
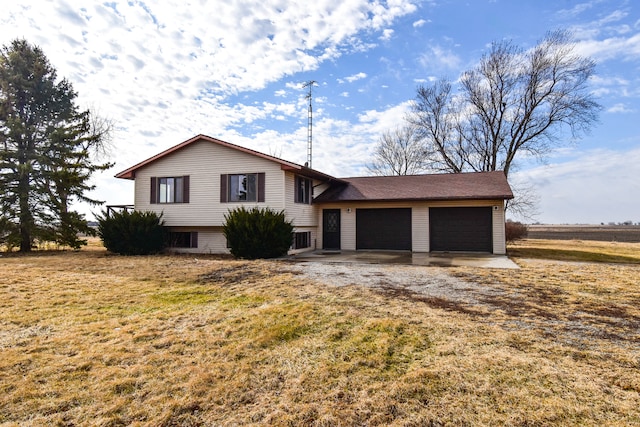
(195, 183)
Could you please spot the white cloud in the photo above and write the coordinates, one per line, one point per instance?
(439, 58)
(593, 187)
(420, 23)
(619, 108)
(578, 8)
(626, 48)
(387, 34)
(355, 77)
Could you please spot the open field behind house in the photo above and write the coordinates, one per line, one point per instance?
(605, 233)
(577, 250)
(88, 338)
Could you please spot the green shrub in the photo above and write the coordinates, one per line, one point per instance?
(257, 233)
(136, 233)
(516, 230)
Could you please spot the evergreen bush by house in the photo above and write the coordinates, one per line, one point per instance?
(257, 233)
(135, 233)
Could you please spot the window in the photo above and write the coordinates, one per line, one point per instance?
(182, 239)
(170, 189)
(302, 240)
(248, 187)
(303, 190)
(242, 188)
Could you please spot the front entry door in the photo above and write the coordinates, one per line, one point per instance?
(331, 229)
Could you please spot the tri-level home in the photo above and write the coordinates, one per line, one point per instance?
(195, 183)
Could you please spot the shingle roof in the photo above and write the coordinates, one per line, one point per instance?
(459, 186)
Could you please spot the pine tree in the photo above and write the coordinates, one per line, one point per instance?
(47, 151)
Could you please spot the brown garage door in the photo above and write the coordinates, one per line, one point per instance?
(461, 229)
(383, 229)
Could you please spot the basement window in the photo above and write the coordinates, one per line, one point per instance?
(302, 240)
(183, 239)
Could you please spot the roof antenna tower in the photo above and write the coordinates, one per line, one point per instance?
(309, 85)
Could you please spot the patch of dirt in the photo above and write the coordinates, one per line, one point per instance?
(543, 309)
(235, 273)
(426, 284)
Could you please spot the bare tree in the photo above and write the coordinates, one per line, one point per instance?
(399, 152)
(513, 103)
(102, 130)
(524, 205)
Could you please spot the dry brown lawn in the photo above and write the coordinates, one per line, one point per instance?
(88, 338)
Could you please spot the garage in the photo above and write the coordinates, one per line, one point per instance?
(467, 229)
(384, 229)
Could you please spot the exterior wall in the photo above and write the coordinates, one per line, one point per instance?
(300, 214)
(419, 221)
(420, 228)
(204, 162)
(210, 241)
(499, 233)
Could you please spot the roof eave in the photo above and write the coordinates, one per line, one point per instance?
(310, 173)
(417, 199)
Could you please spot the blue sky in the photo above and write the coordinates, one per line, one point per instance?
(166, 70)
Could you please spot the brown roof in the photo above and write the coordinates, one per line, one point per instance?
(459, 186)
(130, 173)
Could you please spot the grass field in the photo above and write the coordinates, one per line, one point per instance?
(88, 338)
(605, 233)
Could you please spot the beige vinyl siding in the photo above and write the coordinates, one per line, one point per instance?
(419, 221)
(210, 241)
(300, 214)
(420, 228)
(499, 233)
(204, 162)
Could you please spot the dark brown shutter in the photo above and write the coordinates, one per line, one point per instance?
(154, 190)
(307, 190)
(185, 189)
(261, 177)
(296, 192)
(194, 239)
(223, 188)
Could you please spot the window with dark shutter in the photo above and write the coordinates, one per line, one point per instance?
(185, 189)
(154, 189)
(223, 188)
(246, 187)
(261, 178)
(170, 189)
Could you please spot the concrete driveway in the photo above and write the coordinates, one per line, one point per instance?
(409, 258)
